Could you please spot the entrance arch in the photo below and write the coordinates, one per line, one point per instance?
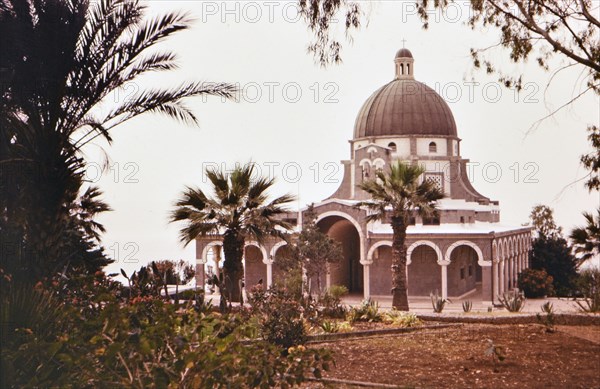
(424, 271)
(464, 271)
(344, 229)
(254, 267)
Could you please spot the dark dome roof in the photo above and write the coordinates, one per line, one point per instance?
(404, 53)
(405, 107)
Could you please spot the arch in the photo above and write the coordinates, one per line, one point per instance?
(494, 251)
(480, 260)
(392, 146)
(351, 220)
(379, 163)
(432, 147)
(260, 247)
(274, 249)
(418, 243)
(372, 149)
(375, 246)
(207, 247)
(365, 161)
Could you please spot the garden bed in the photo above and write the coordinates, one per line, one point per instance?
(578, 319)
(455, 357)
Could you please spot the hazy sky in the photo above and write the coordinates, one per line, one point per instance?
(296, 118)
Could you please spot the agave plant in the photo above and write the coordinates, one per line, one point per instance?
(438, 302)
(467, 305)
(512, 301)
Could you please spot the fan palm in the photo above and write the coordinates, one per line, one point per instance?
(586, 239)
(239, 210)
(62, 62)
(395, 195)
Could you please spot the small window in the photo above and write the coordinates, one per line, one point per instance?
(432, 147)
(462, 273)
(462, 219)
(470, 270)
(408, 69)
(402, 69)
(392, 146)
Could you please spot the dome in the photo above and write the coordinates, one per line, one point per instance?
(405, 107)
(404, 53)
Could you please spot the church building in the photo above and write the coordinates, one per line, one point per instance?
(462, 251)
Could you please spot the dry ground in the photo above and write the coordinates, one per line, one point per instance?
(455, 358)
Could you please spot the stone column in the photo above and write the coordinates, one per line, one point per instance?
(444, 265)
(269, 264)
(366, 278)
(501, 280)
(496, 280)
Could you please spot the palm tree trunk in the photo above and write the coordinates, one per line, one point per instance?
(233, 248)
(399, 279)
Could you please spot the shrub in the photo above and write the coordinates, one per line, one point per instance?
(330, 327)
(367, 311)
(535, 283)
(331, 301)
(548, 319)
(401, 319)
(144, 342)
(512, 301)
(467, 305)
(438, 302)
(280, 316)
(589, 287)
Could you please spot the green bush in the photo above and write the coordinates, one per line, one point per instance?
(535, 283)
(331, 302)
(367, 311)
(106, 341)
(280, 316)
(401, 319)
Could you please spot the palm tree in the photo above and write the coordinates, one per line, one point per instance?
(237, 211)
(395, 195)
(586, 240)
(62, 67)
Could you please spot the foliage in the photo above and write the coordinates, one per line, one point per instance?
(548, 319)
(319, 15)
(313, 251)
(438, 302)
(280, 316)
(535, 283)
(591, 161)
(586, 239)
(467, 305)
(555, 257)
(367, 311)
(62, 62)
(395, 195)
(512, 301)
(238, 211)
(589, 286)
(145, 342)
(401, 319)
(542, 220)
(331, 302)
(330, 327)
(546, 28)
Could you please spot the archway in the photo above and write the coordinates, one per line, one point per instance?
(349, 272)
(424, 272)
(464, 272)
(254, 267)
(381, 270)
(281, 252)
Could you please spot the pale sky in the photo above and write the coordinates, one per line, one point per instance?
(296, 118)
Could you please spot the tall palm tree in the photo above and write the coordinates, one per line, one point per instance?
(586, 239)
(237, 211)
(395, 195)
(62, 67)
